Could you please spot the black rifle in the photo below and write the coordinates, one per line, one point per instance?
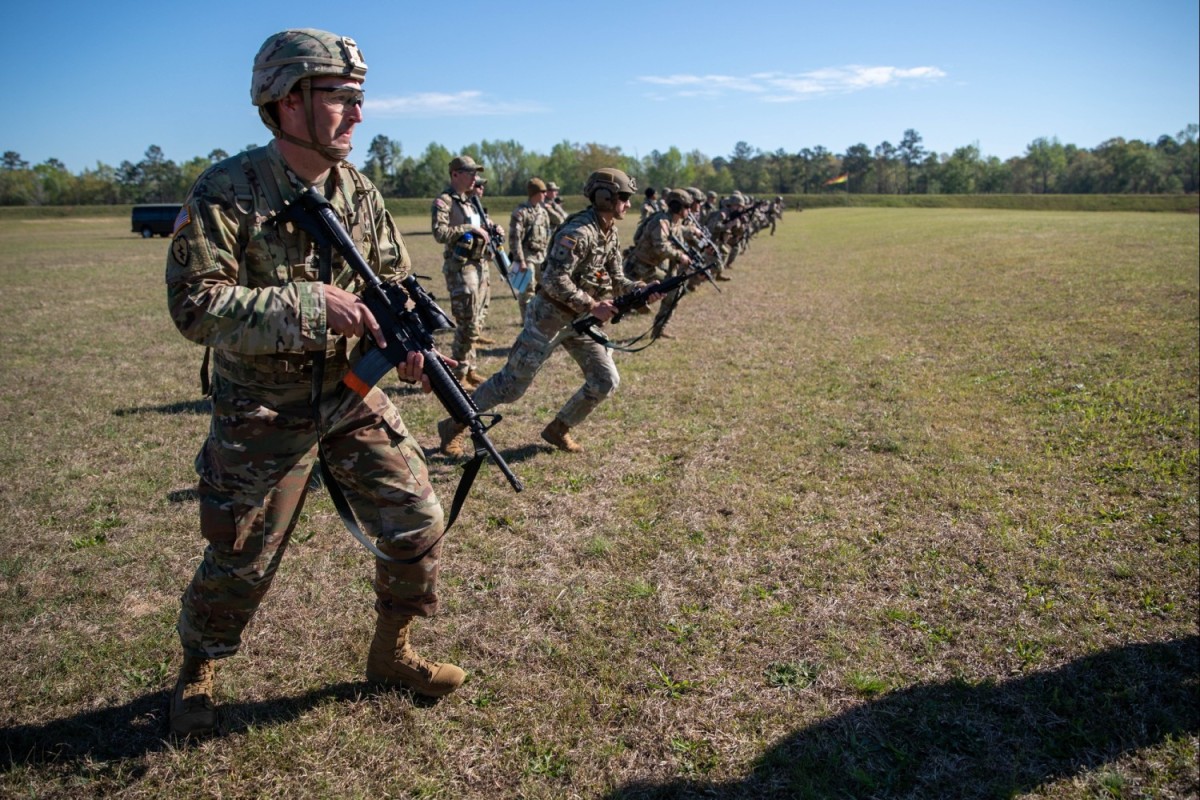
(745, 210)
(406, 331)
(640, 298)
(495, 242)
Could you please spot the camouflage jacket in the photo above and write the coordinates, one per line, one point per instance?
(557, 213)
(529, 233)
(584, 263)
(654, 246)
(249, 288)
(453, 215)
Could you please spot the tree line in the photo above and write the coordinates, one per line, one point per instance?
(1116, 166)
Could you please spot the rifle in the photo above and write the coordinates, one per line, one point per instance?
(405, 330)
(746, 210)
(706, 240)
(640, 298)
(495, 243)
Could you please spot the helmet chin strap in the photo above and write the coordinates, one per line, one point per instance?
(334, 154)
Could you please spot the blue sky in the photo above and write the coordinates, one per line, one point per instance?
(107, 80)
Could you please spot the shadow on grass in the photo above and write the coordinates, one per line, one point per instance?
(987, 740)
(128, 732)
(201, 406)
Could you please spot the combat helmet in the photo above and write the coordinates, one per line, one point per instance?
(604, 185)
(296, 56)
(680, 198)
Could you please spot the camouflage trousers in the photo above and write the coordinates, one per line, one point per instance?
(464, 282)
(485, 294)
(537, 340)
(254, 470)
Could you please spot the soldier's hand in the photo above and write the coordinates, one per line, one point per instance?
(481, 233)
(346, 314)
(686, 260)
(413, 371)
(604, 310)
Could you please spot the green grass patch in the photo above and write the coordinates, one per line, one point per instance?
(910, 509)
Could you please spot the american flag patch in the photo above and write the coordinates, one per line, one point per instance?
(567, 242)
(439, 203)
(183, 219)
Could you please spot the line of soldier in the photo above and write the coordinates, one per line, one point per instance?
(463, 229)
(285, 322)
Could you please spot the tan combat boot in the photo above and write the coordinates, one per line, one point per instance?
(483, 339)
(473, 379)
(559, 435)
(192, 709)
(393, 663)
(453, 438)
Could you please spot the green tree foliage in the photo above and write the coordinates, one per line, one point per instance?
(1170, 164)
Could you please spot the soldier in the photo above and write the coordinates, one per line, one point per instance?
(278, 314)
(529, 236)
(554, 206)
(775, 212)
(453, 218)
(582, 270)
(724, 232)
(652, 247)
(710, 204)
(650, 205)
(485, 274)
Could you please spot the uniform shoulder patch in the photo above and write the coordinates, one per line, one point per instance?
(568, 242)
(439, 202)
(181, 251)
(184, 217)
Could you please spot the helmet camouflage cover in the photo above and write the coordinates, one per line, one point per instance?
(294, 57)
(681, 196)
(605, 184)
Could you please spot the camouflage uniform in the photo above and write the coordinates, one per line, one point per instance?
(250, 290)
(554, 207)
(716, 223)
(653, 249)
(528, 237)
(452, 216)
(583, 268)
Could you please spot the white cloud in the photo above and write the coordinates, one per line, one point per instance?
(468, 103)
(783, 87)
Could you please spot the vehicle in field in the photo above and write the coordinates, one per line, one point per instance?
(149, 219)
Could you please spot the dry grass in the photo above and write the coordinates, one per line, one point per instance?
(910, 510)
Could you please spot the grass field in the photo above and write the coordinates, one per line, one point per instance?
(910, 510)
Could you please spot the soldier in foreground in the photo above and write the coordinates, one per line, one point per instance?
(581, 273)
(284, 324)
(463, 233)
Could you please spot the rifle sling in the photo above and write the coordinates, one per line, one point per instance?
(347, 513)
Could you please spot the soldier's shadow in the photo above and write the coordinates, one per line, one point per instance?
(989, 740)
(201, 406)
(127, 732)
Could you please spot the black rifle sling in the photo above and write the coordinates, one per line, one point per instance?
(347, 513)
(331, 485)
